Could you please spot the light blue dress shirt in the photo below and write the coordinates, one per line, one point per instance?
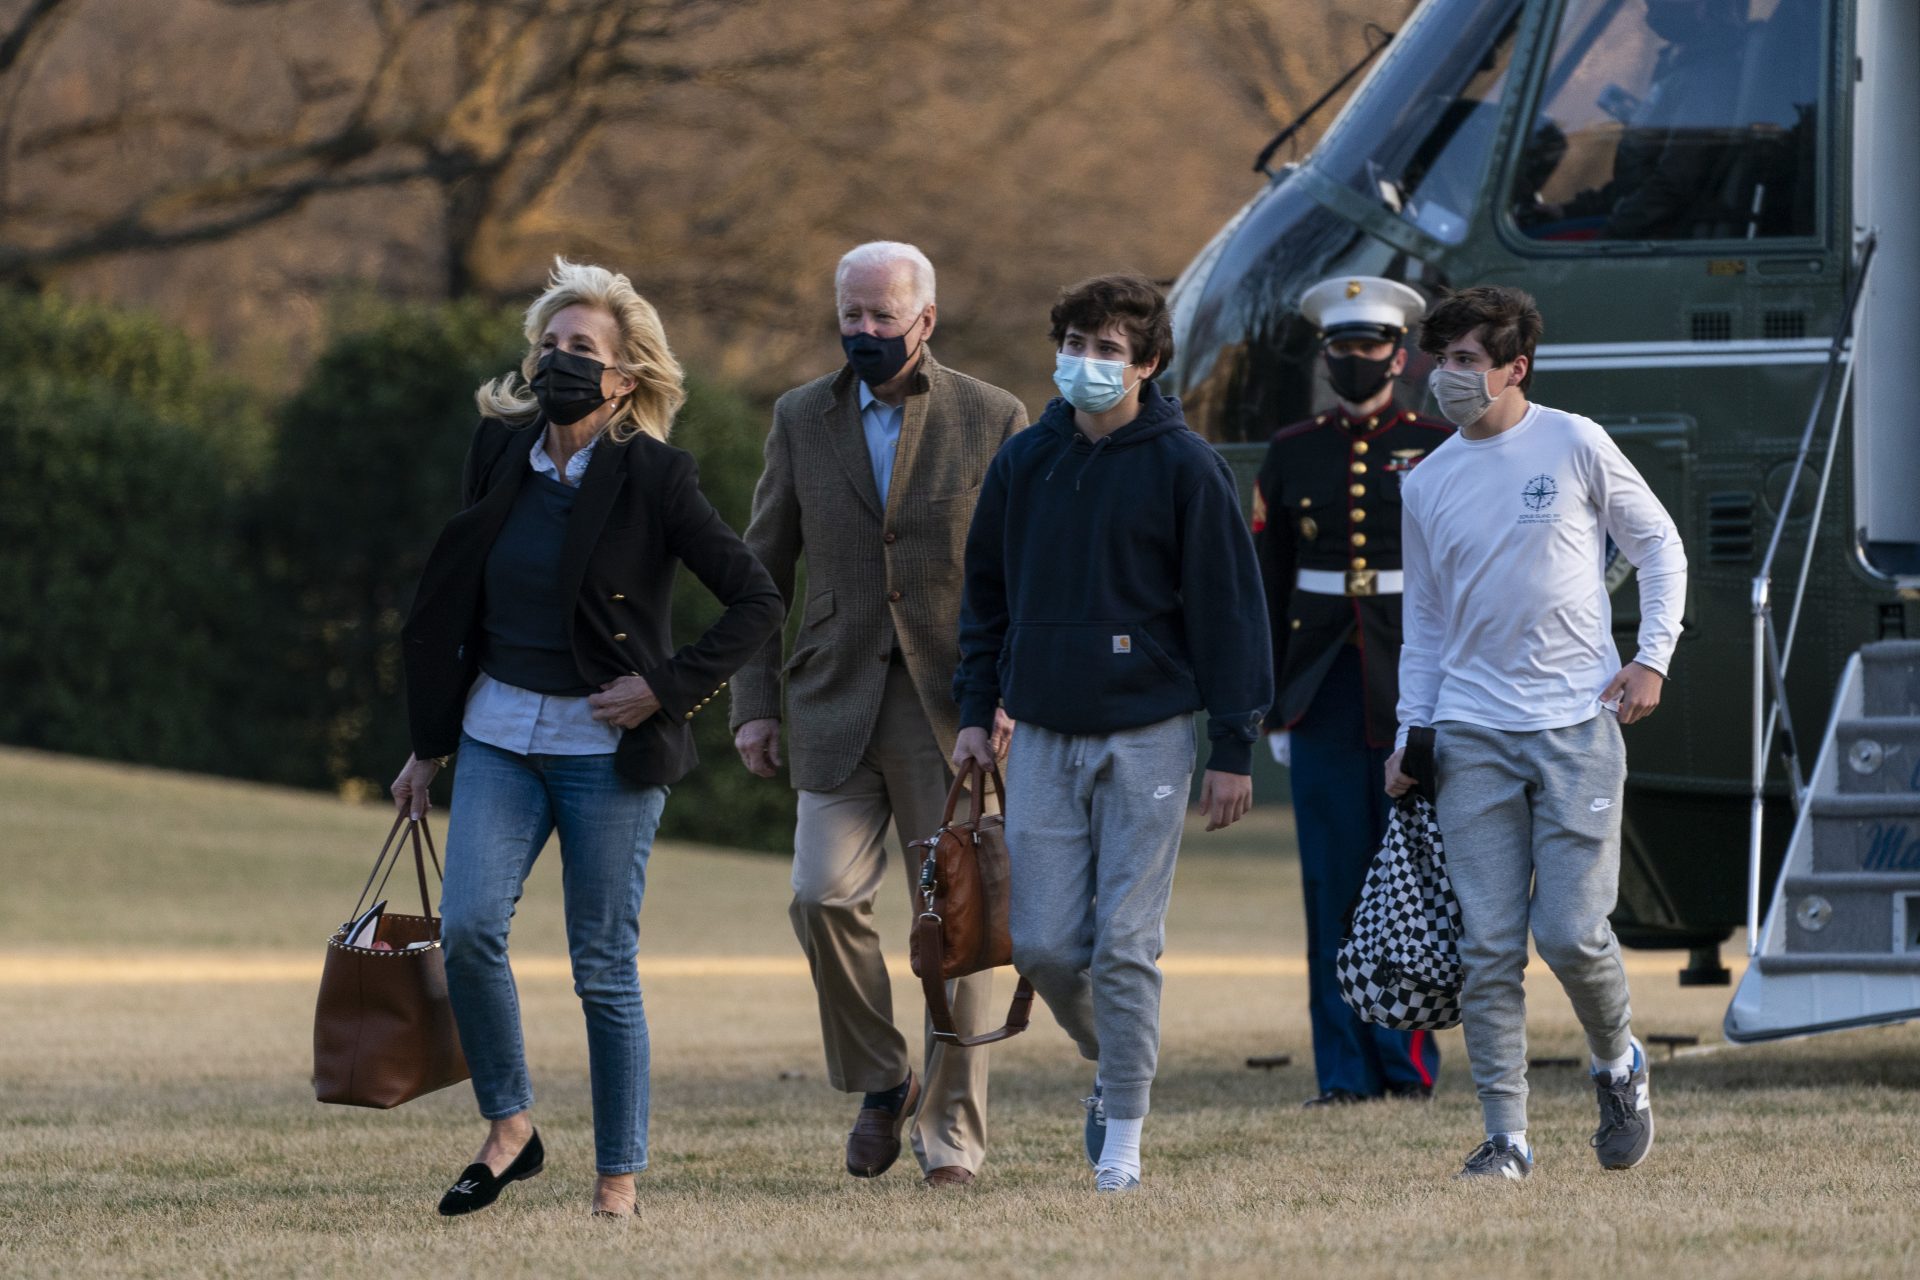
(881, 423)
(520, 720)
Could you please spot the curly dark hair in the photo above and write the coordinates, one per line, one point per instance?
(1131, 301)
(1506, 321)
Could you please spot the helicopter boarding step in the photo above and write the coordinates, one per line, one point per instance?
(1841, 943)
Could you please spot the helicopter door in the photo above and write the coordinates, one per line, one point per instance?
(1886, 193)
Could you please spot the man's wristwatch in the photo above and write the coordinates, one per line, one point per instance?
(443, 761)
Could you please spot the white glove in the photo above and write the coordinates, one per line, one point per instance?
(1281, 745)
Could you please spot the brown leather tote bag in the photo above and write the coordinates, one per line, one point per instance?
(383, 1031)
(964, 875)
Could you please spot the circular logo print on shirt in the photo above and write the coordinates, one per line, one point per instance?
(1540, 493)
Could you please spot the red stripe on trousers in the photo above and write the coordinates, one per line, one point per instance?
(1417, 1043)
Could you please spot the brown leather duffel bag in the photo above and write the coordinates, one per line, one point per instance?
(383, 1032)
(962, 929)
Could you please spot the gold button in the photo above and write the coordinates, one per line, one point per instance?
(1357, 514)
(1374, 421)
(1358, 562)
(688, 716)
(1358, 468)
(1358, 539)
(1296, 624)
(1357, 490)
(1360, 448)
(1305, 503)
(616, 596)
(621, 635)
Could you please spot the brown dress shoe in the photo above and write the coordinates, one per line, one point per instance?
(949, 1175)
(874, 1143)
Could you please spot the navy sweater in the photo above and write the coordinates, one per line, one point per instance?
(1112, 584)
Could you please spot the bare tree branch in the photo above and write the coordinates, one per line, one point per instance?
(37, 15)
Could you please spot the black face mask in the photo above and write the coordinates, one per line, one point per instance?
(877, 360)
(1357, 379)
(567, 386)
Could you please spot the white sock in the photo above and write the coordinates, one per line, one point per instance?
(1518, 1141)
(1619, 1068)
(1122, 1148)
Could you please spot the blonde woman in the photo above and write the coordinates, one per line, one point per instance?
(539, 648)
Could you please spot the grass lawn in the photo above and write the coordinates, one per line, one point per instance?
(160, 937)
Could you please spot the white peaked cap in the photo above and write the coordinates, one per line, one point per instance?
(1361, 306)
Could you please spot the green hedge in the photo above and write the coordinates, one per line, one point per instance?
(192, 581)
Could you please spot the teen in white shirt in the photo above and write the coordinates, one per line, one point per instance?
(1509, 655)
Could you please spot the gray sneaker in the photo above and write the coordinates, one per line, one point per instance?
(1625, 1134)
(1115, 1180)
(1096, 1130)
(1497, 1158)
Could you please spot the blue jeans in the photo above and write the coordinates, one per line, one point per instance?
(504, 807)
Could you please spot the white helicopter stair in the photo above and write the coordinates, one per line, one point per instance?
(1841, 943)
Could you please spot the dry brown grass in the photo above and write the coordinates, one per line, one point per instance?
(164, 1127)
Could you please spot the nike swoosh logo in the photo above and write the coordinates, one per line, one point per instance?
(1601, 804)
(1162, 793)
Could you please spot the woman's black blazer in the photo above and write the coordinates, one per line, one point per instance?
(639, 513)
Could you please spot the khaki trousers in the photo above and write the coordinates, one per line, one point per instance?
(839, 854)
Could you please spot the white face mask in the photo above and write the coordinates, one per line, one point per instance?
(1462, 394)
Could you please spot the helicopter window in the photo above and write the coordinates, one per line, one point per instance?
(1676, 120)
(1418, 136)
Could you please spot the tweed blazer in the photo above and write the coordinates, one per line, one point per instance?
(877, 577)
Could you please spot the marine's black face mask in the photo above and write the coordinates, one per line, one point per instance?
(567, 386)
(877, 360)
(1357, 379)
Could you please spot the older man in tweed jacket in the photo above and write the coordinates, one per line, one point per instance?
(871, 474)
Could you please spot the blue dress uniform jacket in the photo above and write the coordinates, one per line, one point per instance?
(1328, 498)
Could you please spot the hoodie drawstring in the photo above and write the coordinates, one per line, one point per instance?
(1093, 453)
(1060, 457)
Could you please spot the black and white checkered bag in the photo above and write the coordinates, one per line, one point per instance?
(1400, 963)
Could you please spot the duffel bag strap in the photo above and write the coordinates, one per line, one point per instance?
(932, 950)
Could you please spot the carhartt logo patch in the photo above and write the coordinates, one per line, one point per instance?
(1602, 803)
(1161, 793)
(1123, 644)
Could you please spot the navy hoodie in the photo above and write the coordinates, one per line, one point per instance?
(1112, 584)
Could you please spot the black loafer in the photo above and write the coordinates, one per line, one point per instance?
(477, 1187)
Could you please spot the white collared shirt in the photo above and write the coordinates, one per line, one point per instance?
(880, 422)
(520, 720)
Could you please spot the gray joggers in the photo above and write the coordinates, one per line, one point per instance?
(1531, 822)
(1093, 830)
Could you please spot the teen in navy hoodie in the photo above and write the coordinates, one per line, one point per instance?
(1111, 592)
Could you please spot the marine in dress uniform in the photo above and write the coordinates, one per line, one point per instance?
(1326, 522)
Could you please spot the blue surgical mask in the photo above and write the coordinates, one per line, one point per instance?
(1091, 386)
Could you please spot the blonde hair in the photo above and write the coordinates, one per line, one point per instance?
(641, 353)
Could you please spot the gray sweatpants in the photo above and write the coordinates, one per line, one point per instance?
(1531, 822)
(1093, 831)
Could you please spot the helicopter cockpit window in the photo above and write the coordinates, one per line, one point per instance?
(1418, 138)
(1675, 120)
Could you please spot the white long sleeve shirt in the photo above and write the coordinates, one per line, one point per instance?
(1507, 620)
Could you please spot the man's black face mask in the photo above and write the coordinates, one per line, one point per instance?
(877, 360)
(1357, 379)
